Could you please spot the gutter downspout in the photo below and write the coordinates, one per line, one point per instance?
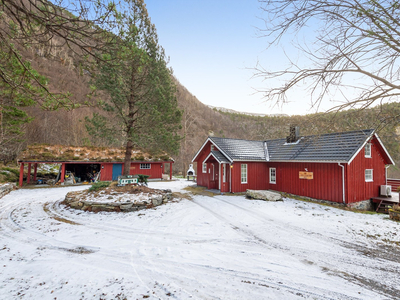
(230, 178)
(386, 167)
(344, 197)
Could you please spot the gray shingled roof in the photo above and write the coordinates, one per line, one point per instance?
(220, 157)
(337, 147)
(240, 149)
(327, 147)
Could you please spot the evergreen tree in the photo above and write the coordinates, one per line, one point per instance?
(141, 106)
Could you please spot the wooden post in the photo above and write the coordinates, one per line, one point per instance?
(34, 171)
(28, 178)
(170, 171)
(62, 172)
(21, 174)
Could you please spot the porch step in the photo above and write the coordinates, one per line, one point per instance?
(383, 204)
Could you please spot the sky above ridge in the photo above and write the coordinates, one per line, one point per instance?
(214, 47)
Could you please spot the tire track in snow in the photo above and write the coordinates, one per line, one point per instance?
(236, 225)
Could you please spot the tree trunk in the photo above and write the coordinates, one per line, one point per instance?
(128, 156)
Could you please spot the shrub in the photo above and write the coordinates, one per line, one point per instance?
(142, 179)
(396, 207)
(14, 171)
(99, 185)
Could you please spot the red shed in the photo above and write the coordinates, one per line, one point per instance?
(83, 161)
(342, 167)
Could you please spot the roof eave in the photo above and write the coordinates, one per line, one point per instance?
(201, 148)
(361, 147)
(384, 149)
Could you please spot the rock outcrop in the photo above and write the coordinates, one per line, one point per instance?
(76, 201)
(6, 188)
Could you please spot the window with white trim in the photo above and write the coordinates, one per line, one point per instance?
(145, 166)
(243, 173)
(272, 175)
(369, 175)
(367, 150)
(223, 172)
(204, 168)
(212, 147)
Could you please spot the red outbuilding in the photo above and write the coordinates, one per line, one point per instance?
(345, 167)
(84, 162)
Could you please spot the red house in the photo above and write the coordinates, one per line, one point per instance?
(345, 167)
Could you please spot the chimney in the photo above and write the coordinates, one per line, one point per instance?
(294, 134)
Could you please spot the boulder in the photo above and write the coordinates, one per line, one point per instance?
(263, 195)
(126, 206)
(157, 200)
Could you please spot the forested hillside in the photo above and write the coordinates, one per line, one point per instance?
(199, 121)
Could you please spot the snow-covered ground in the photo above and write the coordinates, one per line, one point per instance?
(221, 247)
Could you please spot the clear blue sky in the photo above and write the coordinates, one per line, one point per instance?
(213, 45)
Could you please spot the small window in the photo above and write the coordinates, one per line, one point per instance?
(367, 149)
(212, 147)
(243, 173)
(145, 166)
(204, 168)
(224, 173)
(272, 175)
(369, 175)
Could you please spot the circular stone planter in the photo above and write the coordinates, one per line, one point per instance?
(394, 215)
(77, 200)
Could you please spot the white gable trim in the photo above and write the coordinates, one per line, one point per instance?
(201, 148)
(361, 147)
(367, 141)
(211, 154)
(384, 149)
(205, 143)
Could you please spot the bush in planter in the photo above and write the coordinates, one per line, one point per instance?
(99, 185)
(142, 179)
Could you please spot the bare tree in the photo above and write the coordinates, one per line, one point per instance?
(353, 47)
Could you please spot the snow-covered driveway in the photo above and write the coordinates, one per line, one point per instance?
(221, 247)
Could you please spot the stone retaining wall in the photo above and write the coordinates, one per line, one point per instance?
(74, 200)
(6, 188)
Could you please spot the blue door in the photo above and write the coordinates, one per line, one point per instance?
(117, 171)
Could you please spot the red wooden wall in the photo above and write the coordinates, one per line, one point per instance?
(356, 188)
(106, 172)
(225, 185)
(325, 185)
(156, 170)
(395, 183)
(203, 178)
(256, 176)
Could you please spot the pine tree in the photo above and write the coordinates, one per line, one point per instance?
(141, 106)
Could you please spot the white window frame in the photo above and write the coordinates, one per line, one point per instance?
(212, 147)
(369, 175)
(272, 178)
(367, 150)
(223, 172)
(145, 166)
(243, 173)
(204, 167)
